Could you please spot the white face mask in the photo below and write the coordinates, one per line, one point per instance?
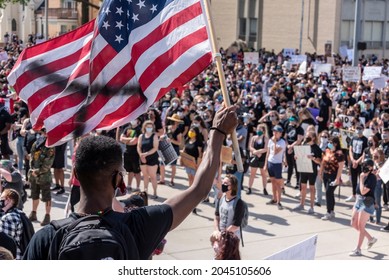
(149, 129)
(229, 142)
(134, 123)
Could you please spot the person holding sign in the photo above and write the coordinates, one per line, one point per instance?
(310, 178)
(273, 163)
(194, 148)
(331, 171)
(364, 206)
(357, 146)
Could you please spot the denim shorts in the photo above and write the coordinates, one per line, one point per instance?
(360, 206)
(190, 171)
(275, 170)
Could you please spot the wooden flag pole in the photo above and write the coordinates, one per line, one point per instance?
(222, 79)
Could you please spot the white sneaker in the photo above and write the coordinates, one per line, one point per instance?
(311, 211)
(371, 243)
(350, 199)
(327, 217)
(299, 208)
(355, 253)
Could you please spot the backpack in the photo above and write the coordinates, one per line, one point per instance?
(245, 219)
(27, 232)
(92, 237)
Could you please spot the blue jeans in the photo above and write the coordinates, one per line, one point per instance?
(20, 151)
(319, 190)
(377, 196)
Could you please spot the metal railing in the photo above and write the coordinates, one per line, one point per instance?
(60, 13)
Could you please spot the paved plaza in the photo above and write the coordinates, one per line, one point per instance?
(269, 231)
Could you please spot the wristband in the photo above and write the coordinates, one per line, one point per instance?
(218, 130)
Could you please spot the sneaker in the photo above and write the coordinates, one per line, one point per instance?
(280, 207)
(57, 187)
(32, 216)
(299, 208)
(317, 204)
(46, 220)
(61, 191)
(283, 191)
(297, 195)
(311, 211)
(350, 199)
(271, 202)
(332, 214)
(371, 243)
(327, 217)
(385, 228)
(265, 192)
(355, 253)
(297, 187)
(288, 184)
(248, 191)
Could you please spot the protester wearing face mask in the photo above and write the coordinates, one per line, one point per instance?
(194, 148)
(294, 136)
(310, 178)
(228, 213)
(10, 220)
(330, 172)
(357, 145)
(271, 119)
(325, 111)
(324, 136)
(147, 149)
(258, 150)
(364, 206)
(131, 158)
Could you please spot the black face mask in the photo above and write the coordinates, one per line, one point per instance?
(224, 188)
(308, 139)
(2, 203)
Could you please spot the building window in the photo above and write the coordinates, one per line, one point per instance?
(13, 25)
(64, 29)
(372, 34)
(241, 8)
(242, 28)
(252, 8)
(347, 32)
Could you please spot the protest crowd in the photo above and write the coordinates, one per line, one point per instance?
(289, 106)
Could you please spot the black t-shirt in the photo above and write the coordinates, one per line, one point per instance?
(385, 147)
(132, 133)
(358, 146)
(370, 182)
(5, 117)
(148, 226)
(347, 102)
(324, 104)
(292, 133)
(317, 153)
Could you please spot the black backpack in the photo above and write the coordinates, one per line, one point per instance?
(27, 232)
(92, 237)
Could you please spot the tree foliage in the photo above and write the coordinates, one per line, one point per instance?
(4, 3)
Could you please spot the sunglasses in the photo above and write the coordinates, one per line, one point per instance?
(324, 136)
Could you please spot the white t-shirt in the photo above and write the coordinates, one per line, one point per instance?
(276, 158)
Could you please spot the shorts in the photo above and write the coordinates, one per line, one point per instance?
(360, 206)
(131, 163)
(59, 157)
(256, 162)
(308, 177)
(190, 171)
(275, 170)
(36, 190)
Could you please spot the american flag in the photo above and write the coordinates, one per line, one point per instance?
(109, 71)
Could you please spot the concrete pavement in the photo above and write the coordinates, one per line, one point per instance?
(269, 231)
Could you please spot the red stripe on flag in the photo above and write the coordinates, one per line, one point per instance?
(165, 29)
(100, 61)
(164, 60)
(195, 69)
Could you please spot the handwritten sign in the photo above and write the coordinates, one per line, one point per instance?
(298, 59)
(351, 74)
(384, 172)
(322, 68)
(371, 72)
(251, 57)
(303, 163)
(288, 52)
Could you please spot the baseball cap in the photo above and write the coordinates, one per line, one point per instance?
(278, 128)
(281, 111)
(293, 119)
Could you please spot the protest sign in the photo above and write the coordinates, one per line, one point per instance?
(351, 74)
(304, 250)
(251, 57)
(343, 51)
(371, 72)
(322, 68)
(346, 120)
(298, 59)
(303, 163)
(288, 52)
(379, 83)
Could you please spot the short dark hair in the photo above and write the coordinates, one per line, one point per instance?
(12, 195)
(95, 154)
(234, 184)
